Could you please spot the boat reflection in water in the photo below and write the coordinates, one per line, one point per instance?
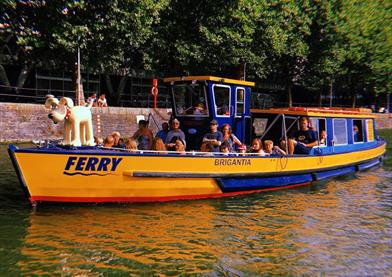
(320, 229)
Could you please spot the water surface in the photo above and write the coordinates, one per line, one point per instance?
(342, 227)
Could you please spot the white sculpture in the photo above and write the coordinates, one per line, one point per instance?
(78, 126)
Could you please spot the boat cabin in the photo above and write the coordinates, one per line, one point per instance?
(338, 129)
(199, 99)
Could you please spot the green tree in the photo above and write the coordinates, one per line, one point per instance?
(289, 22)
(326, 51)
(112, 35)
(366, 27)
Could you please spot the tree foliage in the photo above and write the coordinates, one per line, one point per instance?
(310, 43)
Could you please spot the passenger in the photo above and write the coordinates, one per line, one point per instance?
(242, 150)
(118, 141)
(207, 148)
(302, 140)
(109, 141)
(163, 133)
(225, 148)
(159, 145)
(174, 134)
(199, 109)
(144, 136)
(323, 137)
(179, 146)
(131, 144)
(214, 137)
(269, 147)
(230, 138)
(98, 141)
(257, 147)
(282, 147)
(356, 133)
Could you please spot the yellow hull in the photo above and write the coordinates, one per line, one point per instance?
(103, 176)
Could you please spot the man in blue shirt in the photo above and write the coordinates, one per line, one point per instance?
(302, 140)
(163, 133)
(214, 137)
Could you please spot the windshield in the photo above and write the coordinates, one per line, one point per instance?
(190, 100)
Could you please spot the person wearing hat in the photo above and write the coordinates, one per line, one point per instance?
(214, 137)
(174, 134)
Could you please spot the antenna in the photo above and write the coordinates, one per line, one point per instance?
(79, 95)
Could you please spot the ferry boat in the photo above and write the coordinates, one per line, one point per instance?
(58, 173)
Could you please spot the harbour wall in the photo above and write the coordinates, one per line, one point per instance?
(28, 122)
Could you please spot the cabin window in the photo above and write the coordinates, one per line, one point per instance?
(369, 130)
(190, 100)
(222, 100)
(358, 130)
(240, 102)
(319, 125)
(340, 131)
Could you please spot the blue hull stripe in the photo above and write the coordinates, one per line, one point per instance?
(333, 173)
(238, 184)
(368, 165)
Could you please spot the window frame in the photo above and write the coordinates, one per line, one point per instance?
(333, 126)
(236, 102)
(363, 133)
(370, 133)
(203, 87)
(214, 101)
(318, 129)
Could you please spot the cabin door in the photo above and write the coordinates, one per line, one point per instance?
(240, 117)
(222, 103)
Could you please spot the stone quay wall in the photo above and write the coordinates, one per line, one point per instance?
(28, 122)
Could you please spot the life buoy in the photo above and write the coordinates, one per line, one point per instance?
(154, 91)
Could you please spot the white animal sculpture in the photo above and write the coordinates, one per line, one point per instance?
(78, 126)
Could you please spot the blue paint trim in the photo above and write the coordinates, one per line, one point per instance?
(333, 173)
(369, 164)
(235, 184)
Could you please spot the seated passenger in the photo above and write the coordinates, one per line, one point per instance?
(257, 147)
(270, 149)
(207, 148)
(131, 144)
(199, 109)
(163, 132)
(323, 137)
(109, 141)
(356, 133)
(229, 138)
(179, 146)
(144, 136)
(224, 148)
(159, 145)
(118, 142)
(98, 141)
(302, 140)
(241, 150)
(174, 134)
(214, 137)
(282, 147)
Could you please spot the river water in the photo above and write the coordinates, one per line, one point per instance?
(342, 227)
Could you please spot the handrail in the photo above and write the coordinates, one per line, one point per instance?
(187, 153)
